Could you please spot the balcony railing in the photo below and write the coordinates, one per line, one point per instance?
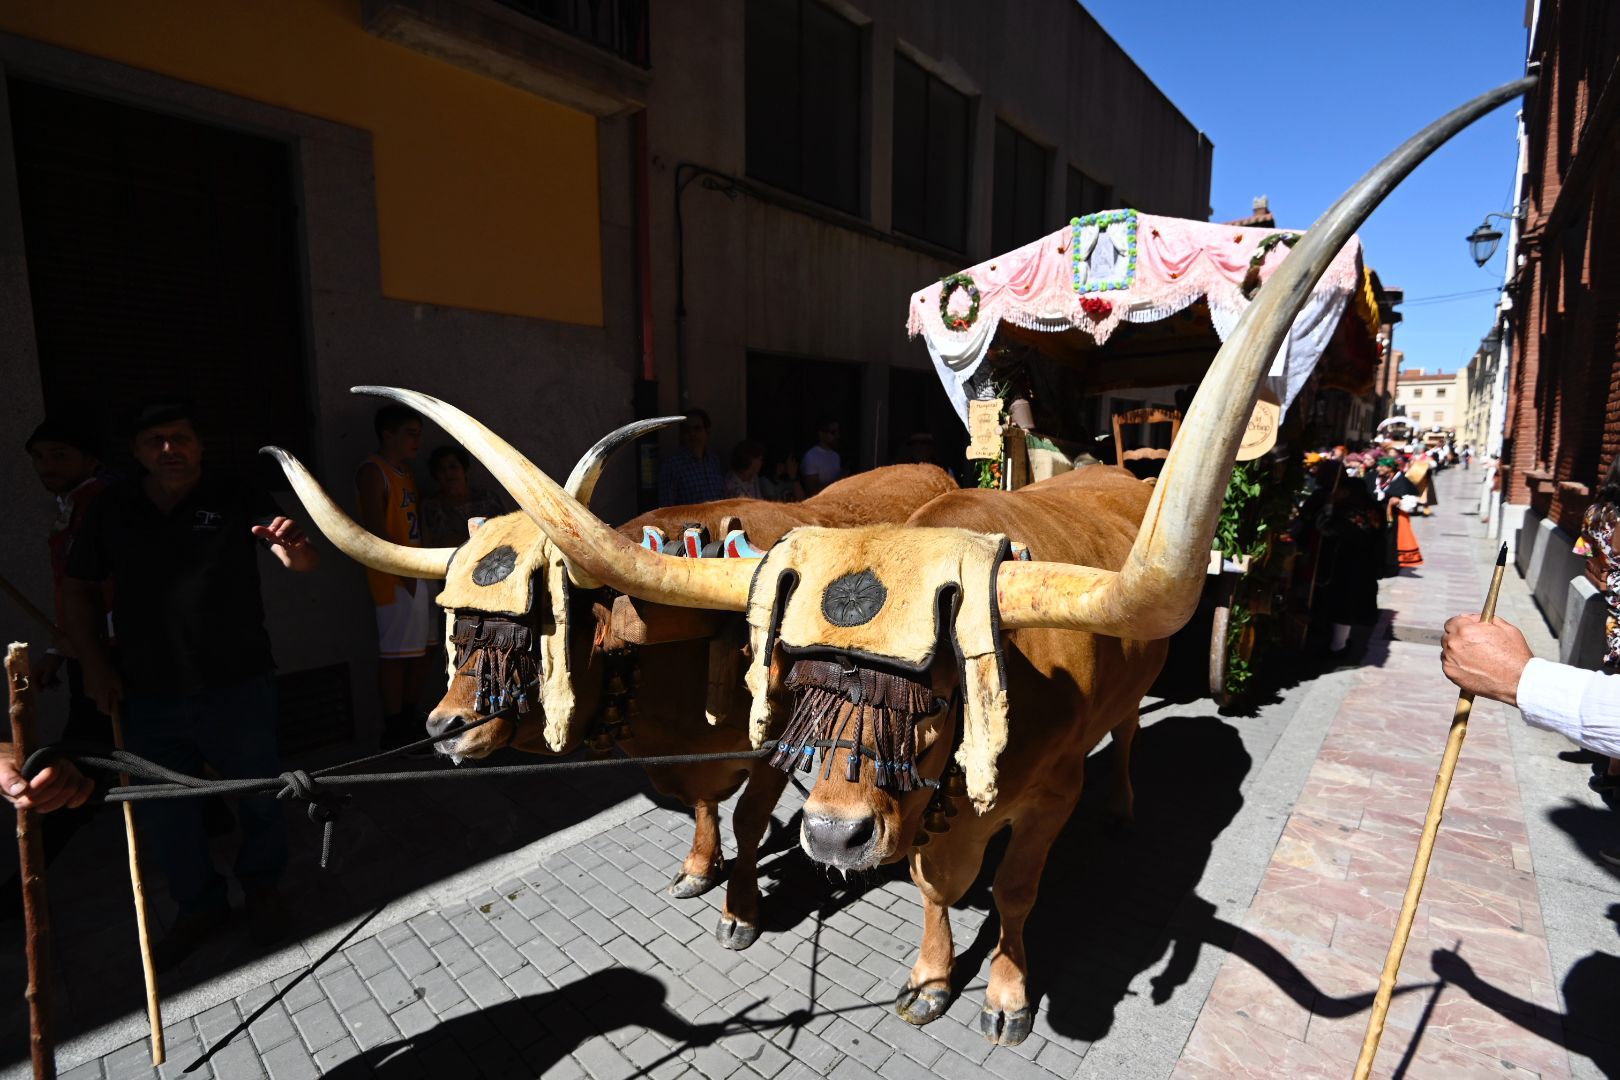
(618, 26)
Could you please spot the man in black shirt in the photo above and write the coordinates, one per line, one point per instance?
(186, 657)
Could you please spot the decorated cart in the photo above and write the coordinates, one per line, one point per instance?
(1122, 299)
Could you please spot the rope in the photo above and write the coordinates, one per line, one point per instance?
(324, 789)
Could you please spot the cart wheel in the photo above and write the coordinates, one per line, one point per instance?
(1218, 652)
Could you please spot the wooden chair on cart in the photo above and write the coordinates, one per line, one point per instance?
(1135, 418)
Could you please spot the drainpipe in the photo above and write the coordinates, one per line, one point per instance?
(685, 173)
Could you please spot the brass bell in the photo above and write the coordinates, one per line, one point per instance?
(632, 711)
(601, 742)
(611, 717)
(920, 839)
(615, 686)
(934, 819)
(955, 783)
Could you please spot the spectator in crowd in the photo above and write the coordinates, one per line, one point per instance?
(1349, 552)
(187, 659)
(742, 482)
(1493, 660)
(1598, 542)
(445, 512)
(391, 508)
(690, 474)
(781, 483)
(821, 464)
(67, 462)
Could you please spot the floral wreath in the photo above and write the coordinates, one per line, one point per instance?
(951, 284)
(1251, 279)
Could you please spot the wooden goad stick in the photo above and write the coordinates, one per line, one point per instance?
(137, 882)
(137, 886)
(31, 870)
(1420, 865)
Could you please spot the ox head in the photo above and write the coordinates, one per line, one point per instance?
(520, 626)
(1150, 596)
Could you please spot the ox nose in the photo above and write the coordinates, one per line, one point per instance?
(839, 841)
(444, 723)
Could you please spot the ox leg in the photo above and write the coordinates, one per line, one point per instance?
(701, 870)
(1121, 808)
(739, 918)
(943, 872)
(1007, 1014)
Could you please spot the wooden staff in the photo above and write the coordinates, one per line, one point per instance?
(137, 880)
(137, 886)
(1420, 865)
(31, 869)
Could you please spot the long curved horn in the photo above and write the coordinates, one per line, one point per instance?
(581, 483)
(597, 550)
(349, 536)
(1156, 591)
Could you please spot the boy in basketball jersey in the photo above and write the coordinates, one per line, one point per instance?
(391, 507)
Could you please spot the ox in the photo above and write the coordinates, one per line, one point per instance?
(684, 668)
(868, 636)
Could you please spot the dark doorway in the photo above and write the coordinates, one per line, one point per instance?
(788, 396)
(163, 259)
(918, 406)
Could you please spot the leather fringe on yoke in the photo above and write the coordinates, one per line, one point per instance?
(885, 708)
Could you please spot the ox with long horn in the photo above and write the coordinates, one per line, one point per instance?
(853, 623)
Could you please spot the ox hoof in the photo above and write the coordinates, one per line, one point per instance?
(685, 886)
(734, 934)
(919, 1005)
(1006, 1028)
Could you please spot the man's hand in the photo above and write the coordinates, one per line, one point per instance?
(57, 785)
(289, 544)
(102, 684)
(1485, 658)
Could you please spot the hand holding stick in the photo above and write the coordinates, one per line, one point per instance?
(1420, 865)
(31, 870)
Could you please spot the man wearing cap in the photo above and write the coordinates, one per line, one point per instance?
(187, 658)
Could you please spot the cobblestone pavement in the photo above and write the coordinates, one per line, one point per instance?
(580, 965)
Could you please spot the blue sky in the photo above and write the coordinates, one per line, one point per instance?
(1300, 97)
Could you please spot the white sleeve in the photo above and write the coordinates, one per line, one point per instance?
(1583, 706)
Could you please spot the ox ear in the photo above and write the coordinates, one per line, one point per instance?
(349, 536)
(1156, 591)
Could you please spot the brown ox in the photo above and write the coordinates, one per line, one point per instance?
(879, 601)
(673, 691)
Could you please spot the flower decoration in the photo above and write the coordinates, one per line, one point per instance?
(1096, 307)
(1102, 222)
(952, 311)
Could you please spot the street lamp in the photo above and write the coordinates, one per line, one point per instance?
(1483, 240)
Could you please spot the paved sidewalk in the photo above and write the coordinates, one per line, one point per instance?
(1479, 994)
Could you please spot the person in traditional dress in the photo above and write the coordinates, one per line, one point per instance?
(1397, 498)
(1598, 542)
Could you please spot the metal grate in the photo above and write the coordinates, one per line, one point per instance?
(317, 709)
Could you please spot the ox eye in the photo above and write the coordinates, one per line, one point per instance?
(495, 567)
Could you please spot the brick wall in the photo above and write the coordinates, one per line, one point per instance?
(1563, 417)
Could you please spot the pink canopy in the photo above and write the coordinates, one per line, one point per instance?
(1121, 265)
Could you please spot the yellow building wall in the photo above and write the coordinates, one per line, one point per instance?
(486, 195)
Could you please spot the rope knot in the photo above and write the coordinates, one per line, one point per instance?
(323, 804)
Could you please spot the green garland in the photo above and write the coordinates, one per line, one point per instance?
(951, 284)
